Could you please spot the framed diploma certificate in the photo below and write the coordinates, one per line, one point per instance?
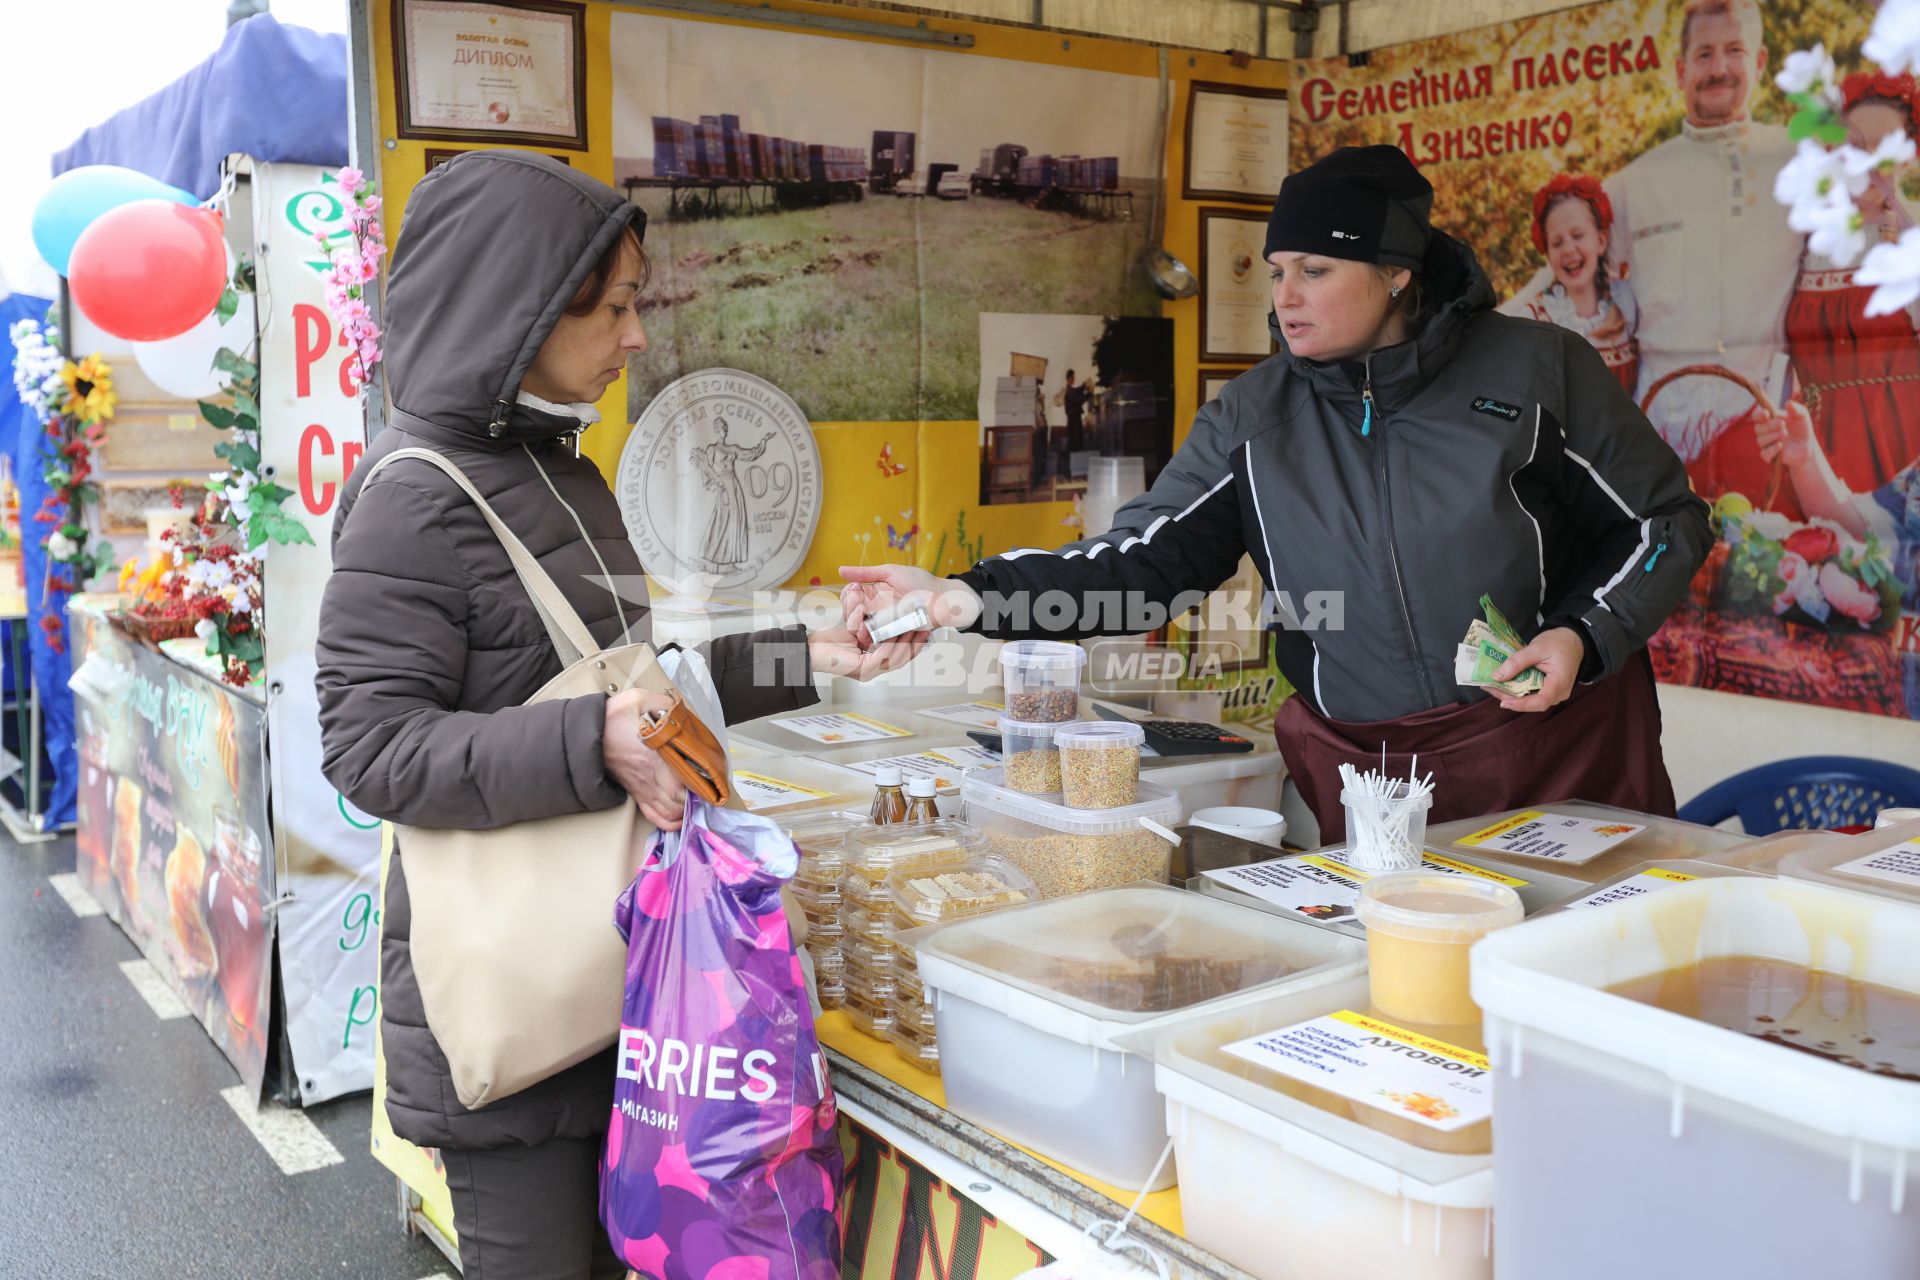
(511, 72)
(1236, 143)
(1235, 288)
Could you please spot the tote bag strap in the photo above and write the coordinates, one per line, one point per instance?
(570, 636)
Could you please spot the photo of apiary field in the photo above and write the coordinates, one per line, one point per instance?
(835, 216)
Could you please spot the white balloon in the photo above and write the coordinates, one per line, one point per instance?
(183, 364)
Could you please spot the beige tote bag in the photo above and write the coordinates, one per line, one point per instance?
(520, 969)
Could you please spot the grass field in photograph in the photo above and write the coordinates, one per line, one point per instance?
(869, 311)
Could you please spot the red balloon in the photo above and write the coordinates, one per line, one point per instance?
(149, 269)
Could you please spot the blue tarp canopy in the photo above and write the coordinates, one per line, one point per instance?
(271, 92)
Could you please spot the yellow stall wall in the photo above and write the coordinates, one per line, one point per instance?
(941, 459)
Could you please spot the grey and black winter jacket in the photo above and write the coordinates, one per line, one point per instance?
(429, 646)
(1498, 456)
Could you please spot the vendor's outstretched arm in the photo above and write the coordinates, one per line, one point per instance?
(1168, 549)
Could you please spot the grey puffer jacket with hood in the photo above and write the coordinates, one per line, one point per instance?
(428, 645)
(1497, 455)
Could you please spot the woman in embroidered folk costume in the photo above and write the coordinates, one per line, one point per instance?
(1408, 452)
(1572, 229)
(1858, 374)
(429, 646)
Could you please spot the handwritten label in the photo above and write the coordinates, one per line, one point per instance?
(1430, 1082)
(835, 727)
(1534, 834)
(1638, 885)
(758, 791)
(1899, 865)
(1321, 886)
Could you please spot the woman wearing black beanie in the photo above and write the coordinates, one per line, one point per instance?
(1408, 451)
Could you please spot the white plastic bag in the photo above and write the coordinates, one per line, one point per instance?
(688, 670)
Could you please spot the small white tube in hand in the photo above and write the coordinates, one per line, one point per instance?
(914, 619)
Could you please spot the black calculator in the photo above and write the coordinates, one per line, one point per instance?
(1183, 737)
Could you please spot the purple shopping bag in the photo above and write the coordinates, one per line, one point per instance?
(722, 1162)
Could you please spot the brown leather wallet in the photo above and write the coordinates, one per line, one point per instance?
(690, 749)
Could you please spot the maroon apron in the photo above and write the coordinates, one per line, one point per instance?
(1602, 744)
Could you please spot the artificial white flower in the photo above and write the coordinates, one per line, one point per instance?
(242, 602)
(1895, 150)
(212, 575)
(36, 366)
(1769, 524)
(1895, 269)
(1837, 233)
(1808, 71)
(205, 628)
(61, 547)
(1816, 176)
(1895, 40)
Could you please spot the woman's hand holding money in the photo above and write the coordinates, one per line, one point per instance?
(1558, 654)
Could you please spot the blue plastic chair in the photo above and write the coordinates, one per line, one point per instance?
(1814, 792)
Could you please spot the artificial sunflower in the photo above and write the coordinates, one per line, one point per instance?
(90, 394)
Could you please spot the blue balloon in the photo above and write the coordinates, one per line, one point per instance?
(78, 196)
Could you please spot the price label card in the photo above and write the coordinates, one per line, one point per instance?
(1652, 880)
(835, 727)
(1552, 835)
(944, 765)
(1380, 1065)
(1899, 865)
(1321, 886)
(758, 791)
(974, 715)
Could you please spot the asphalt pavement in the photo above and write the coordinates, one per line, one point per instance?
(122, 1153)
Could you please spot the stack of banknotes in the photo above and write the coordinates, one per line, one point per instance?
(1486, 649)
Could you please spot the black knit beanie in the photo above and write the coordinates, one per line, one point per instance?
(1365, 204)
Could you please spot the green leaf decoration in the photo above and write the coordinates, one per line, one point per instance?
(230, 361)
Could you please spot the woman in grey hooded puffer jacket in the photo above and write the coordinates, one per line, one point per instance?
(511, 307)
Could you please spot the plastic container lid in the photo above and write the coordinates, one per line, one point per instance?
(820, 832)
(948, 893)
(987, 788)
(1195, 1069)
(1010, 728)
(876, 852)
(822, 868)
(1042, 655)
(921, 788)
(1437, 908)
(887, 775)
(1097, 735)
(1884, 861)
(1091, 966)
(1551, 978)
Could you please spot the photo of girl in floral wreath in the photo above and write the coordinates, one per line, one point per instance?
(1859, 375)
(1572, 229)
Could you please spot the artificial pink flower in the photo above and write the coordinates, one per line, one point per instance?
(1849, 595)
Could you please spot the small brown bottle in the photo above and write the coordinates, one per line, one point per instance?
(889, 803)
(920, 806)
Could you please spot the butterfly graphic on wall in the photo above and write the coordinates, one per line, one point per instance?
(901, 539)
(888, 467)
